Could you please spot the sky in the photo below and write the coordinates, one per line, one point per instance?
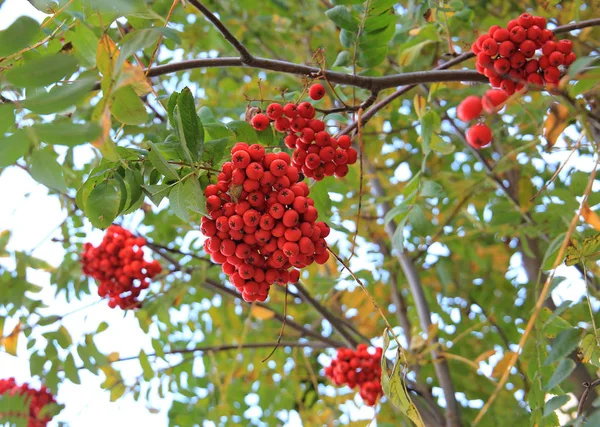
(33, 218)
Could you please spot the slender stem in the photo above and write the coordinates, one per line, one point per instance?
(229, 347)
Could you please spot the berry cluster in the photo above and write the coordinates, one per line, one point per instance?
(317, 153)
(358, 368)
(507, 56)
(37, 400)
(472, 107)
(262, 222)
(119, 265)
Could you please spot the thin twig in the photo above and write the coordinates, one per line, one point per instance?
(588, 387)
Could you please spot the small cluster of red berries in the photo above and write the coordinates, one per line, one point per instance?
(262, 222)
(472, 107)
(507, 55)
(37, 400)
(360, 368)
(317, 153)
(118, 264)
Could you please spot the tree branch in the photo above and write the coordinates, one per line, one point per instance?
(335, 323)
(229, 347)
(245, 55)
(439, 363)
(588, 387)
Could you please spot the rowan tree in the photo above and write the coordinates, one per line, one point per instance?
(329, 205)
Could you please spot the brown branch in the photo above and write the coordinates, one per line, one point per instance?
(245, 55)
(229, 347)
(335, 323)
(588, 388)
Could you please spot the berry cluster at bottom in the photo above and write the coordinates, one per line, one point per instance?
(263, 226)
(37, 400)
(360, 368)
(118, 265)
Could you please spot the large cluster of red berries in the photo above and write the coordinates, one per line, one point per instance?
(360, 368)
(263, 226)
(37, 399)
(118, 264)
(507, 55)
(510, 59)
(317, 153)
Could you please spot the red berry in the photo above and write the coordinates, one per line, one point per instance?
(556, 58)
(493, 99)
(525, 20)
(274, 111)
(501, 35)
(316, 91)
(528, 48)
(490, 47)
(565, 46)
(290, 110)
(518, 34)
(469, 109)
(551, 74)
(506, 49)
(260, 122)
(479, 136)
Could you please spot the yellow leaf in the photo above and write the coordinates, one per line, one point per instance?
(261, 312)
(10, 342)
(104, 142)
(134, 75)
(408, 55)
(590, 216)
(502, 364)
(106, 55)
(556, 123)
(484, 356)
(419, 103)
(112, 357)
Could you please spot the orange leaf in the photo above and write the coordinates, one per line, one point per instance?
(484, 356)
(10, 342)
(556, 123)
(502, 364)
(590, 216)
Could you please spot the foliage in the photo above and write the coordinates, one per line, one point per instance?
(97, 105)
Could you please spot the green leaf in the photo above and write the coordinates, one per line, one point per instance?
(579, 64)
(71, 370)
(562, 372)
(579, 252)
(161, 164)
(552, 252)
(343, 18)
(65, 132)
(63, 337)
(589, 352)
(141, 39)
(342, 60)
(146, 368)
(127, 107)
(118, 7)
(189, 128)
(552, 323)
(416, 218)
(215, 150)
(319, 192)
(410, 54)
(430, 125)
(13, 147)
(7, 117)
(157, 192)
(398, 236)
(431, 189)
(187, 195)
(46, 170)
(85, 44)
(19, 35)
(555, 403)
(42, 71)
(400, 210)
(214, 128)
(244, 131)
(394, 385)
(566, 341)
(60, 97)
(102, 205)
